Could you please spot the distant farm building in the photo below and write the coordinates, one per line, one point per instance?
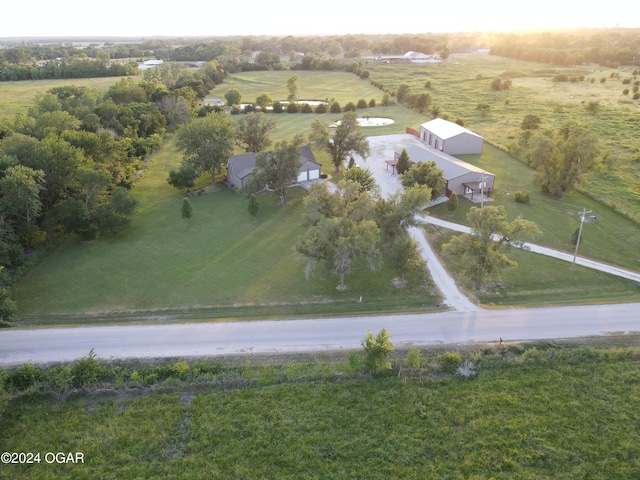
(450, 137)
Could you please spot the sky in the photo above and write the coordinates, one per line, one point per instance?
(69, 18)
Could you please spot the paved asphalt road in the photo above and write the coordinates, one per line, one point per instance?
(211, 339)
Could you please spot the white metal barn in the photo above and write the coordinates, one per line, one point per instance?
(450, 137)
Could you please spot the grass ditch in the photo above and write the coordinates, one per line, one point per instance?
(536, 410)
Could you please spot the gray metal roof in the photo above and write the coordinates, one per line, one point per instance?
(451, 167)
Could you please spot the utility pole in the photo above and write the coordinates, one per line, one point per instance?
(583, 215)
(482, 190)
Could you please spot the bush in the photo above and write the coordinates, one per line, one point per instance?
(372, 103)
(376, 351)
(413, 359)
(449, 361)
(292, 108)
(521, 197)
(278, 107)
(306, 108)
(180, 370)
(362, 103)
(364, 74)
(350, 107)
(452, 204)
(483, 107)
(24, 377)
(335, 108)
(87, 370)
(321, 108)
(59, 379)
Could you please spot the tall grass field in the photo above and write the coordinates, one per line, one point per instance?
(527, 412)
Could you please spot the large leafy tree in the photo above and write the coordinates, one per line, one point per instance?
(20, 193)
(207, 143)
(400, 211)
(340, 230)
(562, 157)
(59, 160)
(253, 131)
(346, 139)
(362, 176)
(425, 173)
(483, 250)
(277, 169)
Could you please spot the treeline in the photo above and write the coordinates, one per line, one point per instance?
(66, 165)
(72, 68)
(610, 48)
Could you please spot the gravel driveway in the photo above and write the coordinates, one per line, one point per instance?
(383, 148)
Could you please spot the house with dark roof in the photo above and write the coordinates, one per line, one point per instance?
(461, 177)
(450, 137)
(240, 168)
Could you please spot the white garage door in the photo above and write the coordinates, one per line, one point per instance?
(302, 176)
(314, 174)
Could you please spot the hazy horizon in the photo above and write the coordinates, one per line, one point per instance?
(70, 18)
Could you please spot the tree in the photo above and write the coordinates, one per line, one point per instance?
(452, 204)
(207, 143)
(346, 139)
(233, 97)
(184, 177)
(277, 169)
(254, 206)
(425, 173)
(187, 208)
(445, 51)
(292, 86)
(253, 131)
(562, 157)
(20, 193)
(482, 250)
(406, 255)
(403, 92)
(362, 176)
(400, 210)
(113, 217)
(264, 101)
(93, 182)
(176, 111)
(530, 122)
(404, 163)
(376, 351)
(340, 230)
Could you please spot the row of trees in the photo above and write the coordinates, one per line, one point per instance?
(71, 67)
(605, 47)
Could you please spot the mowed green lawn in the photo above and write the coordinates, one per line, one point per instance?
(220, 263)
